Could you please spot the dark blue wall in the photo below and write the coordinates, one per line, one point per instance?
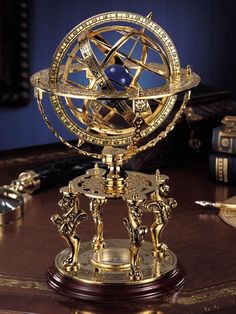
(204, 33)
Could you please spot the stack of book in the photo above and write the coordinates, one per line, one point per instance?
(223, 158)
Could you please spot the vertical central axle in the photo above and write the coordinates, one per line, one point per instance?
(115, 176)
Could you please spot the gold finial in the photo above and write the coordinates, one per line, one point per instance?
(80, 142)
(96, 170)
(134, 195)
(150, 15)
(158, 176)
(189, 70)
(70, 187)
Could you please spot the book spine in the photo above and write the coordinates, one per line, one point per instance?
(223, 143)
(223, 168)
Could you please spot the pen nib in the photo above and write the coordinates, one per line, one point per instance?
(205, 203)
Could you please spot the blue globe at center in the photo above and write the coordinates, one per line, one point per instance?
(119, 76)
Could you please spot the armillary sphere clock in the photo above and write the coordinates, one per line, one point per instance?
(96, 87)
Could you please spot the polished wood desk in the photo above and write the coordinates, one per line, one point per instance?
(203, 243)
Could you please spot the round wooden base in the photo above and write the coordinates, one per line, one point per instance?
(160, 277)
(106, 293)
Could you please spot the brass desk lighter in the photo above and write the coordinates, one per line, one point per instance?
(95, 87)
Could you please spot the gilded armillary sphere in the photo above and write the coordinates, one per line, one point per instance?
(114, 79)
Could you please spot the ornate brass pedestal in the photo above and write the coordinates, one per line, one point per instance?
(95, 87)
(143, 270)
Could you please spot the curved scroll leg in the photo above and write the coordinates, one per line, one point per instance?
(159, 248)
(74, 245)
(96, 205)
(67, 224)
(161, 208)
(136, 234)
